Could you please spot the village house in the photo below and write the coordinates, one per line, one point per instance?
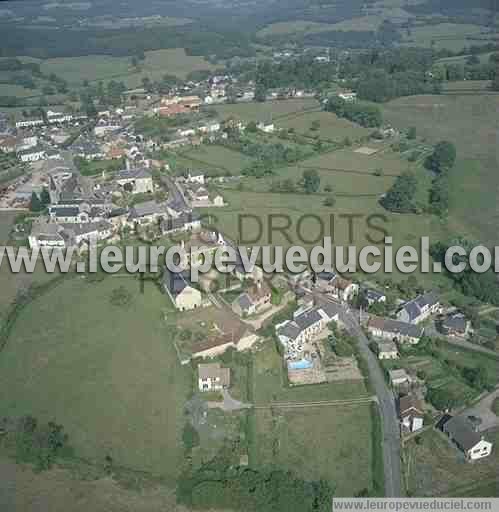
(135, 181)
(82, 234)
(374, 297)
(454, 324)
(419, 309)
(349, 97)
(213, 377)
(387, 350)
(195, 177)
(343, 289)
(175, 222)
(256, 298)
(266, 128)
(178, 287)
(411, 413)
(306, 324)
(78, 213)
(46, 235)
(472, 444)
(399, 377)
(147, 212)
(388, 329)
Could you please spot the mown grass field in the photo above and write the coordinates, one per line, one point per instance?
(216, 157)
(333, 443)
(108, 373)
(266, 112)
(470, 122)
(330, 127)
(435, 468)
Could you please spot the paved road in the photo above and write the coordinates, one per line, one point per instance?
(390, 422)
(386, 403)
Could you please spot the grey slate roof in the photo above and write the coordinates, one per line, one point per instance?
(459, 429)
(129, 174)
(147, 208)
(395, 327)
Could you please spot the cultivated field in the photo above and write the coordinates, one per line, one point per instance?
(470, 122)
(108, 373)
(434, 467)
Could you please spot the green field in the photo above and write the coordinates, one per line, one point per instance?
(216, 157)
(448, 36)
(266, 112)
(436, 373)
(108, 373)
(470, 122)
(101, 67)
(334, 443)
(434, 468)
(331, 127)
(292, 27)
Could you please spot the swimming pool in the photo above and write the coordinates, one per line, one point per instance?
(302, 364)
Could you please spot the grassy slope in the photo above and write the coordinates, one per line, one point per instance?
(108, 374)
(470, 123)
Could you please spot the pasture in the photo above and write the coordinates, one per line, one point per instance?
(266, 112)
(100, 67)
(470, 122)
(330, 127)
(107, 372)
(215, 157)
(331, 443)
(292, 27)
(448, 36)
(356, 190)
(435, 467)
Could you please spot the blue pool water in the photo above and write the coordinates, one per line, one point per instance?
(303, 364)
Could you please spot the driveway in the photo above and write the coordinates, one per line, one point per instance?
(229, 404)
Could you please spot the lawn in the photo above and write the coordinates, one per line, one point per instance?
(269, 111)
(470, 122)
(108, 373)
(436, 468)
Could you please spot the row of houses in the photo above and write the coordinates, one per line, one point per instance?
(306, 324)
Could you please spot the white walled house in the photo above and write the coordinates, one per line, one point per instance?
(471, 443)
(212, 377)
